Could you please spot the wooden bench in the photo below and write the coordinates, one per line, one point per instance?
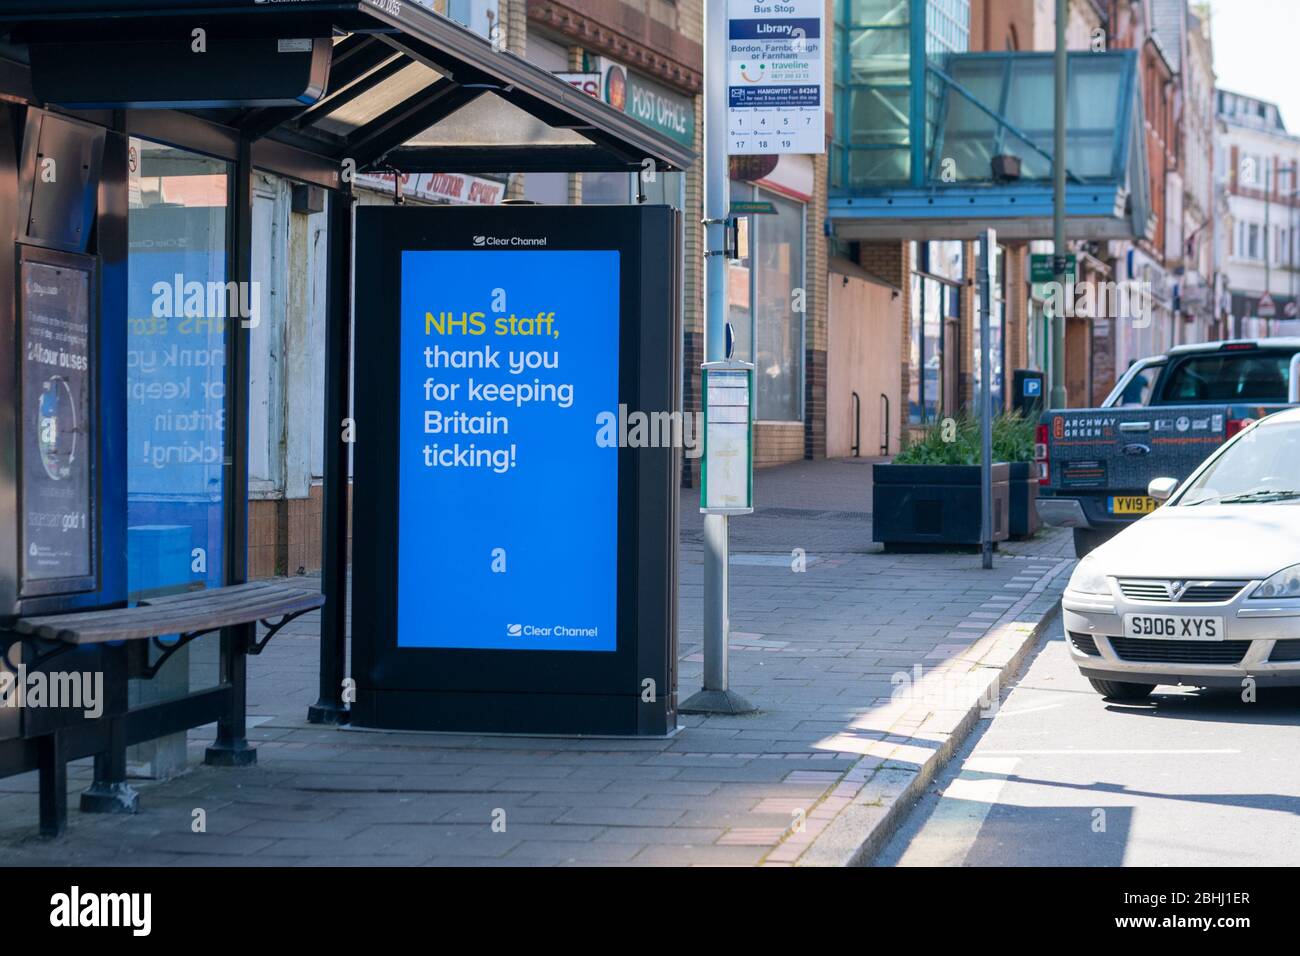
(170, 622)
(189, 614)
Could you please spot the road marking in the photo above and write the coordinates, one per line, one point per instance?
(1093, 753)
(952, 829)
(1003, 712)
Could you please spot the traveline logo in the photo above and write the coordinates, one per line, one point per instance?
(483, 242)
(75, 909)
(557, 630)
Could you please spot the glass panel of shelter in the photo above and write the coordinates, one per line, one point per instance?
(181, 312)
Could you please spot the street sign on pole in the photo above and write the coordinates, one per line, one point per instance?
(1042, 268)
(1267, 308)
(776, 73)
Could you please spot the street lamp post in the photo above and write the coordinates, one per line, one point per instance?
(1060, 399)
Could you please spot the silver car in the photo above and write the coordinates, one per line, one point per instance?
(1206, 590)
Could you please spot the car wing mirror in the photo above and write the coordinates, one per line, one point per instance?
(1162, 489)
(1294, 396)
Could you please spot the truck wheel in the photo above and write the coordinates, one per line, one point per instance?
(1087, 540)
(1120, 690)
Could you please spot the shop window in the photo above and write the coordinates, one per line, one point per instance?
(778, 328)
(935, 301)
(761, 305)
(997, 334)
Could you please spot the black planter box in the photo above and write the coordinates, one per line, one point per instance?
(1023, 521)
(924, 507)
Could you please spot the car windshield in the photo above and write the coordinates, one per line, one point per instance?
(1262, 467)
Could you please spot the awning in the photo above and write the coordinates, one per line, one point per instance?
(406, 89)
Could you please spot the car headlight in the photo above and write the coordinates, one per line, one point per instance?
(1088, 578)
(1284, 584)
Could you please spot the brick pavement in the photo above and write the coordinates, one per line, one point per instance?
(820, 652)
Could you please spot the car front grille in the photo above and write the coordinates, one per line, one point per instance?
(1085, 644)
(1285, 651)
(1196, 592)
(1145, 651)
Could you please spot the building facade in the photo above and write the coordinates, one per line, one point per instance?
(1258, 161)
(944, 128)
(1198, 299)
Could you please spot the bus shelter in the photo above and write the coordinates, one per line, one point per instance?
(130, 135)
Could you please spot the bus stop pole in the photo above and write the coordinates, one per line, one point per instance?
(716, 696)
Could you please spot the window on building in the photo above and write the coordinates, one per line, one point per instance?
(761, 305)
(778, 328)
(935, 300)
(664, 11)
(872, 77)
(997, 336)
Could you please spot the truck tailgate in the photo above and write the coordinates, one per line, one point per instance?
(1120, 450)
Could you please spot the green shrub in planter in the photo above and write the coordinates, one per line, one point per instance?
(933, 507)
(1014, 437)
(957, 442)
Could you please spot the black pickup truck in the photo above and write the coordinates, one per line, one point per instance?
(1166, 416)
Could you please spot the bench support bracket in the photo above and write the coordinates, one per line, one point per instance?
(231, 748)
(109, 792)
(53, 775)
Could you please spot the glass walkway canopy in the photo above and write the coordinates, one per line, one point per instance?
(977, 149)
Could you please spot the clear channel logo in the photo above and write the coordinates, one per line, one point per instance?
(497, 242)
(554, 630)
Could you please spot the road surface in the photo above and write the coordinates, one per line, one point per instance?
(1062, 778)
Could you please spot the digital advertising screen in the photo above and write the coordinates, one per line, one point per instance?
(508, 502)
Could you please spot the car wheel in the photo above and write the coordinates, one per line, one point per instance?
(1119, 690)
(1087, 540)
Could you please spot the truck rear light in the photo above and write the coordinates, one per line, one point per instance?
(1238, 425)
(1041, 456)
(1238, 347)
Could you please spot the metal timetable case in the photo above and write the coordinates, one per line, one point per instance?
(727, 485)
